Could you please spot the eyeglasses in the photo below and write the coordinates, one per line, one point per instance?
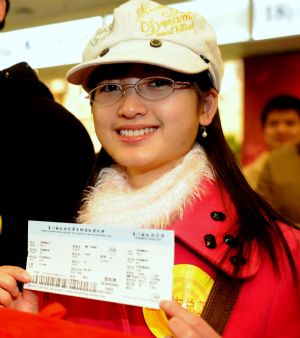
(151, 88)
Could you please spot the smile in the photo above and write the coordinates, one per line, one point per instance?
(136, 132)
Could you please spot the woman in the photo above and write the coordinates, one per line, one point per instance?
(164, 163)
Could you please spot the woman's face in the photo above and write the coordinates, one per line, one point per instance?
(147, 138)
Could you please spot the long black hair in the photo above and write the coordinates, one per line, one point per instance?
(258, 220)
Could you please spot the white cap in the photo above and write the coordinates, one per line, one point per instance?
(147, 32)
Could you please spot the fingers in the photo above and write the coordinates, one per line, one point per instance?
(9, 275)
(181, 329)
(184, 324)
(16, 272)
(29, 302)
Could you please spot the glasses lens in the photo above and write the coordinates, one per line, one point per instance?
(106, 94)
(150, 88)
(155, 88)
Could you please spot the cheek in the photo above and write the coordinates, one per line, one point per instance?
(269, 131)
(185, 128)
(100, 124)
(97, 123)
(296, 129)
(184, 107)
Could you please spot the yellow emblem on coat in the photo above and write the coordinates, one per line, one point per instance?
(191, 287)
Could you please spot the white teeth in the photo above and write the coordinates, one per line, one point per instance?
(136, 132)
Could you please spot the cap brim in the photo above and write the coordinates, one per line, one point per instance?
(168, 55)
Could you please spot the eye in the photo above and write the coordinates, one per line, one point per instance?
(108, 88)
(273, 123)
(290, 123)
(159, 83)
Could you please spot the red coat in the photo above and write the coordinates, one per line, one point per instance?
(268, 305)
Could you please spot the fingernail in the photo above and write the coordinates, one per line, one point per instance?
(165, 303)
(26, 276)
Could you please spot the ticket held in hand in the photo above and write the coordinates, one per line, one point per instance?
(122, 265)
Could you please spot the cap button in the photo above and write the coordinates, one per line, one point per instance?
(218, 216)
(104, 52)
(210, 241)
(155, 43)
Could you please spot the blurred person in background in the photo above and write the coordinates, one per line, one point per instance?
(280, 119)
(46, 158)
(279, 182)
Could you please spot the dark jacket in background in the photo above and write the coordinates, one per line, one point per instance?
(46, 156)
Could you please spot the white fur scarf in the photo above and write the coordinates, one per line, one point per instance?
(114, 203)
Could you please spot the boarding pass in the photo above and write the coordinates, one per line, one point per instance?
(122, 265)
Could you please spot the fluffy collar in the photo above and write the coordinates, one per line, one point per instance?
(112, 202)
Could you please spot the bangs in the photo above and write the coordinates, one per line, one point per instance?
(122, 70)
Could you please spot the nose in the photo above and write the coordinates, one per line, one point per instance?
(282, 128)
(131, 104)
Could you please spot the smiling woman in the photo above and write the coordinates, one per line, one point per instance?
(165, 164)
(134, 123)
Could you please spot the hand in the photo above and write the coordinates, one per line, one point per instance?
(10, 295)
(184, 324)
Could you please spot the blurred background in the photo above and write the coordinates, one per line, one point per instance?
(259, 41)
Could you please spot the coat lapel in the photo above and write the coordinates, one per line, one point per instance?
(209, 226)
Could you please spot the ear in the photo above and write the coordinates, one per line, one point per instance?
(208, 107)
(2, 10)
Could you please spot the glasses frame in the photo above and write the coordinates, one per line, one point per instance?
(176, 85)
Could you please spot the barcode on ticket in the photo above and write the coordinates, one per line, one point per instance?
(58, 282)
